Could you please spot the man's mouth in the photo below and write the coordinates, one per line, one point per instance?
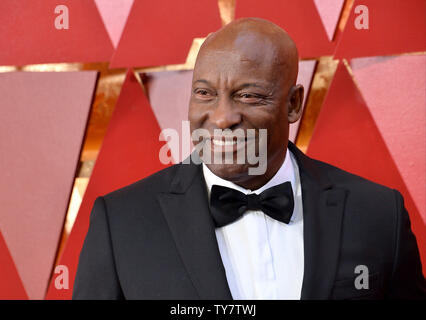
(225, 142)
(228, 144)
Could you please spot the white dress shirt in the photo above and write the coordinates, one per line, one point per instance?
(263, 258)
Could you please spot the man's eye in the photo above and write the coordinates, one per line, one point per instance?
(250, 97)
(201, 92)
(247, 95)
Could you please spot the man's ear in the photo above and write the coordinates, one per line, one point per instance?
(295, 103)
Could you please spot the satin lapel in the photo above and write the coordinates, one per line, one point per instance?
(322, 220)
(187, 213)
(323, 206)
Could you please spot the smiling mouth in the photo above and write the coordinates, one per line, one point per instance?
(225, 142)
(229, 144)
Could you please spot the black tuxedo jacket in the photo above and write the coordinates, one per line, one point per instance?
(155, 239)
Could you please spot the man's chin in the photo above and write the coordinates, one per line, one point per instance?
(230, 172)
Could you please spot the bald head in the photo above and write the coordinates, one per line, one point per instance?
(259, 41)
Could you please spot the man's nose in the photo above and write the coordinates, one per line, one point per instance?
(225, 116)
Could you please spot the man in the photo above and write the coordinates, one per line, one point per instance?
(301, 230)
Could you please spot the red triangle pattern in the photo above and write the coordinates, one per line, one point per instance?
(44, 118)
(394, 26)
(129, 153)
(346, 136)
(28, 34)
(114, 14)
(299, 18)
(394, 91)
(330, 12)
(161, 32)
(11, 287)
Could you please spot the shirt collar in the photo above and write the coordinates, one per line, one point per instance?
(285, 173)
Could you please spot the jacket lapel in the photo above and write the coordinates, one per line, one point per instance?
(323, 205)
(187, 213)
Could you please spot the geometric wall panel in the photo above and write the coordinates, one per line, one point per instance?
(161, 32)
(304, 77)
(329, 11)
(299, 18)
(44, 115)
(11, 287)
(394, 89)
(114, 15)
(129, 152)
(29, 32)
(172, 108)
(394, 26)
(346, 136)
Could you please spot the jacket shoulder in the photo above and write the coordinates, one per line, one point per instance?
(155, 183)
(353, 182)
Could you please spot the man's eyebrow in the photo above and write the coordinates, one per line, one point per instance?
(260, 85)
(242, 86)
(202, 81)
(252, 84)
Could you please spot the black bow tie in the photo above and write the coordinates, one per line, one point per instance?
(228, 205)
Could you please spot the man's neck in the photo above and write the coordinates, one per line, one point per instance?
(285, 172)
(255, 182)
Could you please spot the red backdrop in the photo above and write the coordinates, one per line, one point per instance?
(372, 121)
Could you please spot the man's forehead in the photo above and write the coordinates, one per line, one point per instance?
(244, 46)
(233, 69)
(237, 59)
(224, 56)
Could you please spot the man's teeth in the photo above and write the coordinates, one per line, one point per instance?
(224, 143)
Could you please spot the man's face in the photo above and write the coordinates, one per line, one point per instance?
(241, 87)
